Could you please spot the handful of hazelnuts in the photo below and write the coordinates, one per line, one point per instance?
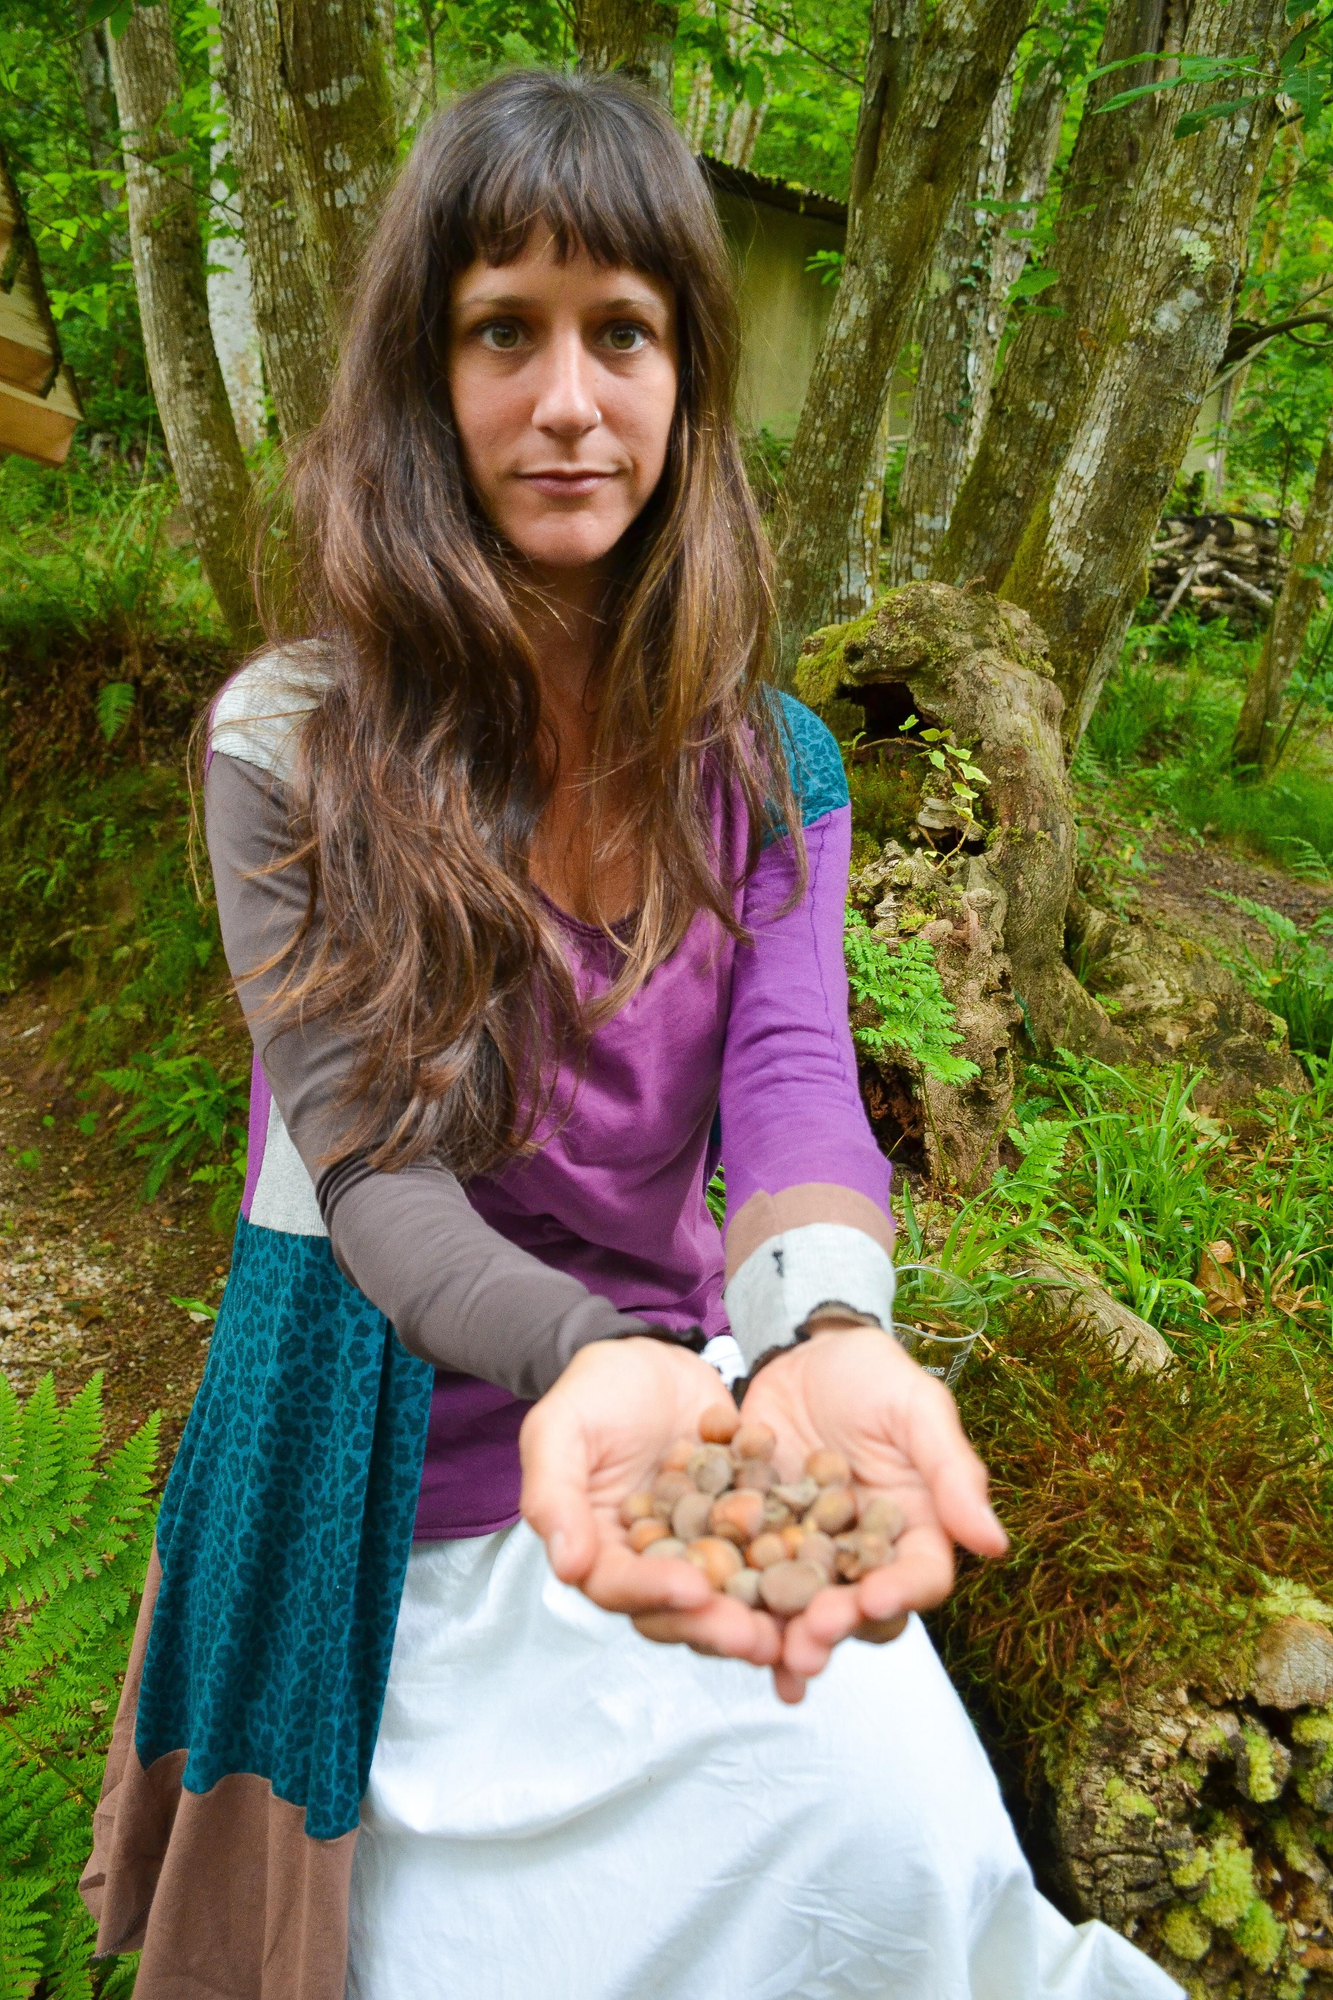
(717, 1502)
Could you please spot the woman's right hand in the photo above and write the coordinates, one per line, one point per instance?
(599, 1435)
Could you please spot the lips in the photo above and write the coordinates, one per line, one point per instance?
(574, 483)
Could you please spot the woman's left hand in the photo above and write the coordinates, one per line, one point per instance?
(856, 1390)
(598, 1435)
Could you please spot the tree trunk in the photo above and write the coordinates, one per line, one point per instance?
(636, 37)
(169, 275)
(1256, 740)
(312, 132)
(955, 304)
(231, 305)
(341, 141)
(1098, 403)
(919, 162)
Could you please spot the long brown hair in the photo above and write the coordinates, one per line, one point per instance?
(421, 776)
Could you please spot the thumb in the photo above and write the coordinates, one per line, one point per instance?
(554, 1500)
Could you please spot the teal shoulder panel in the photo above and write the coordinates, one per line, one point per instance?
(813, 759)
(284, 1536)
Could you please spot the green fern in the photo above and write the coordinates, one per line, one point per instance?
(75, 1534)
(903, 986)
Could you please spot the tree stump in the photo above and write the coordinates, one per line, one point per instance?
(995, 894)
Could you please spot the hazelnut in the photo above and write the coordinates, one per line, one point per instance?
(765, 1550)
(787, 1587)
(776, 1513)
(882, 1515)
(756, 1475)
(635, 1507)
(819, 1549)
(754, 1441)
(834, 1510)
(745, 1586)
(799, 1495)
(717, 1559)
(859, 1553)
(689, 1517)
(677, 1456)
(672, 1546)
(792, 1538)
(878, 1631)
(643, 1533)
(737, 1517)
(828, 1468)
(719, 1423)
(668, 1487)
(710, 1468)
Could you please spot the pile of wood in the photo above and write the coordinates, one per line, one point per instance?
(1219, 565)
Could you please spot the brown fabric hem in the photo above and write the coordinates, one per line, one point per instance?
(223, 1892)
(766, 1215)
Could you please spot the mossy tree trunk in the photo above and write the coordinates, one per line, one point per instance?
(169, 274)
(312, 133)
(956, 304)
(636, 37)
(1098, 401)
(1257, 737)
(914, 164)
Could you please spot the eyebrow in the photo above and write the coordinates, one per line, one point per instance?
(517, 302)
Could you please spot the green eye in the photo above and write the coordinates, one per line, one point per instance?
(625, 339)
(502, 335)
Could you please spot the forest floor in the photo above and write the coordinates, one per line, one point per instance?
(89, 1272)
(91, 1275)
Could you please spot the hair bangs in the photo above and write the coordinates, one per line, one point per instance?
(595, 172)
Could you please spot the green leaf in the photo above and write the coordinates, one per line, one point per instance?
(1192, 121)
(1030, 282)
(114, 703)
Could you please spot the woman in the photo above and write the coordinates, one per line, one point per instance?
(534, 899)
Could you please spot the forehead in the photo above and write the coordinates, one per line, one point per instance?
(539, 269)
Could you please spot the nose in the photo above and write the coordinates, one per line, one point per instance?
(566, 405)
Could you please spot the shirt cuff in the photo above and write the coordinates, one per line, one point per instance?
(790, 1275)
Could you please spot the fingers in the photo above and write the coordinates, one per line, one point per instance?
(788, 1686)
(920, 1576)
(721, 1626)
(953, 1474)
(621, 1581)
(555, 1498)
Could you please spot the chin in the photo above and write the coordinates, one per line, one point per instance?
(566, 550)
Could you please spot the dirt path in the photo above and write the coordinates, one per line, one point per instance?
(87, 1271)
(1187, 886)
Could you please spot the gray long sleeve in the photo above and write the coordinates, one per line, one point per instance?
(459, 1295)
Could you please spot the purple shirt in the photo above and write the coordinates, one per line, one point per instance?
(756, 1035)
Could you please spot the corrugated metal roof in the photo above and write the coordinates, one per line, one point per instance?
(773, 193)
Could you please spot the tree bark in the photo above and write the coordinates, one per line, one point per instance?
(919, 162)
(312, 133)
(169, 274)
(231, 305)
(952, 314)
(636, 37)
(1097, 405)
(1256, 740)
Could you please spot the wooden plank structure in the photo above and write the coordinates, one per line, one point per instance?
(39, 403)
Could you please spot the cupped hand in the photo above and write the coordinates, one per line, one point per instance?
(597, 1436)
(856, 1390)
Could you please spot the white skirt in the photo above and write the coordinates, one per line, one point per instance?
(560, 1810)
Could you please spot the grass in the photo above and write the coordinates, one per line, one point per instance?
(1162, 732)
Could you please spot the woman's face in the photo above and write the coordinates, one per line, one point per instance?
(563, 380)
